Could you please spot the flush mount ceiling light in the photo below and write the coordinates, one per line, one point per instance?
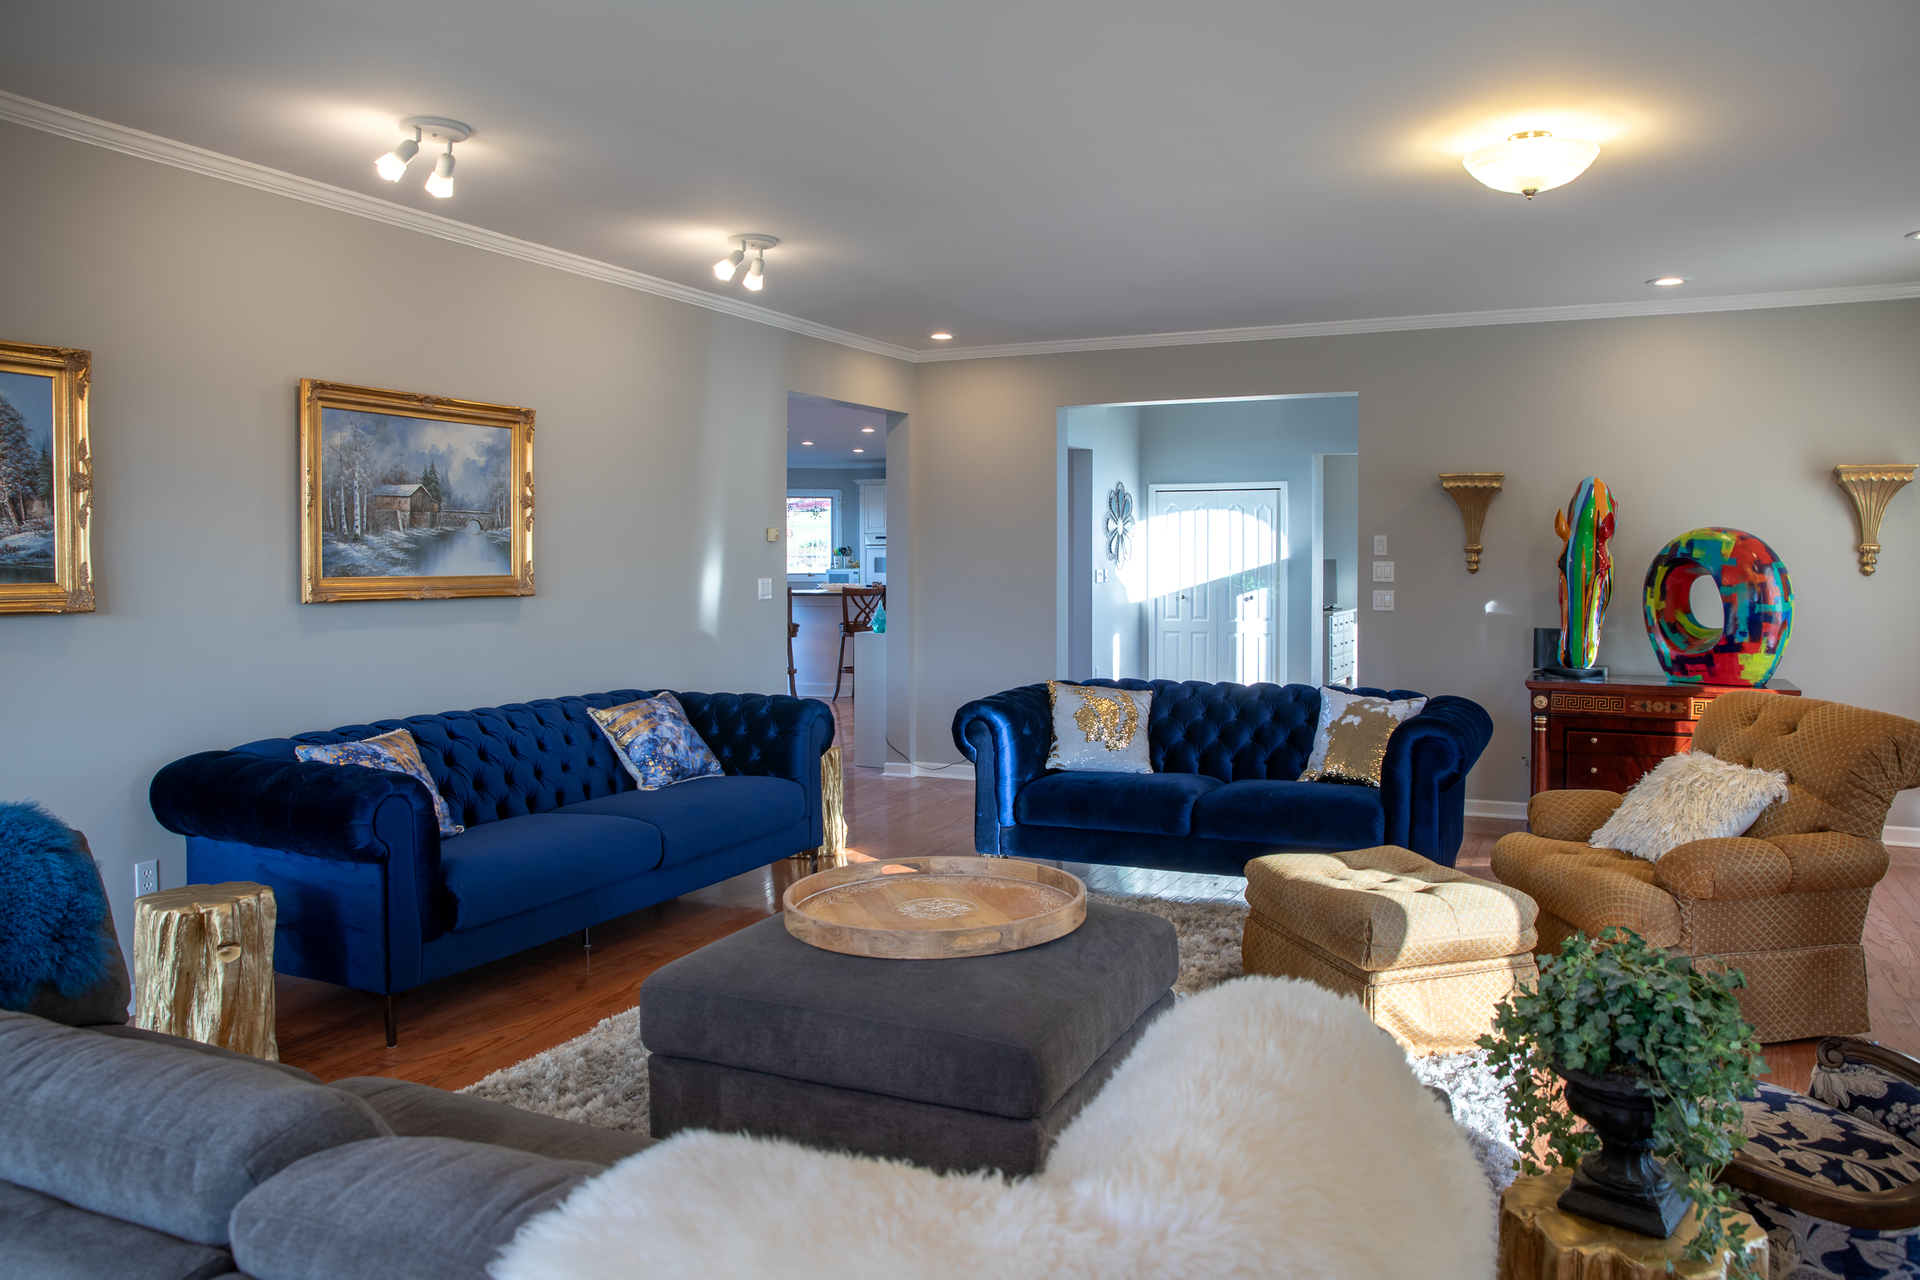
(756, 244)
(1530, 162)
(1667, 282)
(1912, 235)
(435, 129)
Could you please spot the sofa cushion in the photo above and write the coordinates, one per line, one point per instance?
(128, 1031)
(421, 1111)
(48, 1239)
(151, 1134)
(499, 869)
(424, 1208)
(1005, 1034)
(706, 815)
(1156, 803)
(1322, 815)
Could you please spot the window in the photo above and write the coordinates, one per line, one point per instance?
(813, 523)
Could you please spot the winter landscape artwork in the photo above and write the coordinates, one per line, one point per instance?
(46, 480)
(413, 497)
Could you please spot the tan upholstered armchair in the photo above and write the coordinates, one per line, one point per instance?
(1785, 903)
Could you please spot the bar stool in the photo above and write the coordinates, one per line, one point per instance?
(856, 615)
(793, 629)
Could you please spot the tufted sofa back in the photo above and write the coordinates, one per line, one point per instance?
(533, 757)
(1844, 765)
(1232, 731)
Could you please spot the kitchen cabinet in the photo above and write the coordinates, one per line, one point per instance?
(873, 508)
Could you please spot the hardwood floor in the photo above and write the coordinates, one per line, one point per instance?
(456, 1030)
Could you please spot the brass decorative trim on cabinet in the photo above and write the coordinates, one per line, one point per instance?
(1871, 486)
(1473, 492)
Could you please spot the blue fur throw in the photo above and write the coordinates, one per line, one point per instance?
(51, 907)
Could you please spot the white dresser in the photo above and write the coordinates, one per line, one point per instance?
(1339, 640)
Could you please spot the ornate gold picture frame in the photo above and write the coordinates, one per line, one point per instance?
(412, 497)
(46, 480)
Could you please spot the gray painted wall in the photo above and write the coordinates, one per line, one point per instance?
(1340, 526)
(659, 456)
(1253, 440)
(1112, 432)
(1734, 418)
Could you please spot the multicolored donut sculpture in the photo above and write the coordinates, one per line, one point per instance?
(1755, 592)
(1586, 572)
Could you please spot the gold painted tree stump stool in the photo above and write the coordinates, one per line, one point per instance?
(1539, 1242)
(203, 965)
(833, 813)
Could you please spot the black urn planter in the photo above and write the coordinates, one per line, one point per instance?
(1621, 1184)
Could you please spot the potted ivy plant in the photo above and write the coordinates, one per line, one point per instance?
(1650, 1051)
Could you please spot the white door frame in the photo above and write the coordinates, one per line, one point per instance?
(1279, 616)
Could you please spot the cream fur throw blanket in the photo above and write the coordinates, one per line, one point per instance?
(1261, 1128)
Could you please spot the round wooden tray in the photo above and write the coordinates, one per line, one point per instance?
(934, 908)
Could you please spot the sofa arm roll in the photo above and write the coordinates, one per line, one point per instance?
(1007, 737)
(1734, 867)
(1423, 771)
(766, 735)
(325, 810)
(1571, 815)
(1825, 860)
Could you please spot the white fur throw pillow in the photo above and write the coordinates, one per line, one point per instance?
(1261, 1128)
(1691, 796)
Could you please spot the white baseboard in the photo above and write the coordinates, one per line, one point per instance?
(1905, 837)
(962, 772)
(1510, 809)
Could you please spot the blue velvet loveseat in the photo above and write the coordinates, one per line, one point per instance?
(557, 839)
(1225, 788)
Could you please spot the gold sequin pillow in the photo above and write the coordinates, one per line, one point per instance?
(1352, 738)
(1099, 729)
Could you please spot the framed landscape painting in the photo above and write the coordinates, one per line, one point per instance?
(412, 497)
(46, 480)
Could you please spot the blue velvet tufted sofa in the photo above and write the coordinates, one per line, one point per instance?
(1225, 788)
(557, 836)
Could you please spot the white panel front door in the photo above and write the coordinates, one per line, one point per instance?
(1217, 582)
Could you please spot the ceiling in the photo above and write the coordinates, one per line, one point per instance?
(825, 433)
(1019, 172)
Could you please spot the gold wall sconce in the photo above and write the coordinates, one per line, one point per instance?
(1871, 485)
(1473, 491)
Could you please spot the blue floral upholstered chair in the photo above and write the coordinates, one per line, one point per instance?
(1834, 1178)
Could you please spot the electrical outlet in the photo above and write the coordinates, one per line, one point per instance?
(766, 588)
(1379, 544)
(1383, 571)
(1383, 601)
(146, 878)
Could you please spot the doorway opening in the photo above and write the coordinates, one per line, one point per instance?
(1207, 539)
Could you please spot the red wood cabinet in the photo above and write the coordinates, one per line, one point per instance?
(1605, 735)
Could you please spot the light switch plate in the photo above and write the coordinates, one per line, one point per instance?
(766, 588)
(146, 878)
(1383, 602)
(1383, 571)
(773, 534)
(1379, 544)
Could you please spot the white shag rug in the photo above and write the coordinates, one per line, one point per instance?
(600, 1078)
(1200, 1158)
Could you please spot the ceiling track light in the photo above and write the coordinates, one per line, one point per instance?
(425, 129)
(756, 244)
(1530, 162)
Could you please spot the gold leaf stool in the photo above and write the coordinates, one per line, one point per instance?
(1539, 1242)
(203, 965)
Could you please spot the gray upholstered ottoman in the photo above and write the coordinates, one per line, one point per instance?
(975, 1063)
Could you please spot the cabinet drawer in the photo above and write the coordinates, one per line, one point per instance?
(1615, 761)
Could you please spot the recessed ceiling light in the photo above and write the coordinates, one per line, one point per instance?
(866, 431)
(941, 337)
(1667, 282)
(859, 450)
(806, 442)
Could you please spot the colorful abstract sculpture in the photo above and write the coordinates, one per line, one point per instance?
(1586, 572)
(1755, 593)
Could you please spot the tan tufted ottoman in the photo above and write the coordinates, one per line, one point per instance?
(1428, 950)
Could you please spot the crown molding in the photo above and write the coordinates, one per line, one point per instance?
(211, 164)
(1447, 320)
(180, 155)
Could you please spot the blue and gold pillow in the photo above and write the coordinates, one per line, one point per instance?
(656, 742)
(395, 752)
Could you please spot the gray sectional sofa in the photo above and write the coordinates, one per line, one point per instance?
(131, 1155)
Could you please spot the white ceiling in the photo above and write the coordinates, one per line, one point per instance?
(1018, 172)
(825, 433)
